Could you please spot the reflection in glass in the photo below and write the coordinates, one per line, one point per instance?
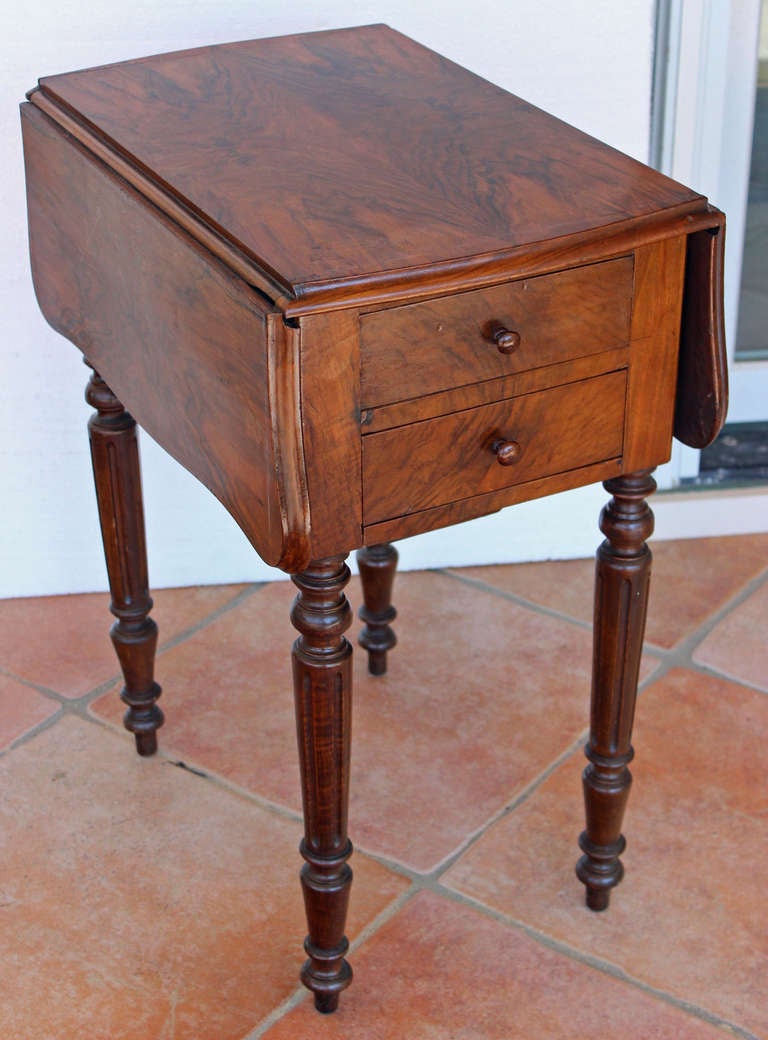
(752, 333)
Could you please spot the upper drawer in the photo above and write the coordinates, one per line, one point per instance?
(440, 344)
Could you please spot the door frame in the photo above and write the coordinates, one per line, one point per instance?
(702, 119)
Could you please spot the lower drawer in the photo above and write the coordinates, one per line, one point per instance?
(493, 446)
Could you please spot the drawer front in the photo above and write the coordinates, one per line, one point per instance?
(491, 447)
(450, 342)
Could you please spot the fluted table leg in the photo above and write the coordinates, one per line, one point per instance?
(322, 677)
(115, 457)
(621, 597)
(377, 565)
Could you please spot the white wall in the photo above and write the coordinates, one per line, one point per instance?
(588, 61)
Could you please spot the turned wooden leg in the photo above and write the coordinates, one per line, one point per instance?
(621, 598)
(322, 678)
(377, 565)
(115, 456)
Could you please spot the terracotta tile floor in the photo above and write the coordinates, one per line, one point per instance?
(143, 900)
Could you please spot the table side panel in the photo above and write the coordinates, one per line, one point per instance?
(659, 271)
(284, 371)
(330, 417)
(179, 338)
(446, 343)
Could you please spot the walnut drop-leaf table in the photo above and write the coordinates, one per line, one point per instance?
(361, 293)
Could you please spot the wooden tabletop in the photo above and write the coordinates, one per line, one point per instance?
(338, 158)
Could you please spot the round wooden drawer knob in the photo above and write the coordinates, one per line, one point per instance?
(506, 452)
(505, 339)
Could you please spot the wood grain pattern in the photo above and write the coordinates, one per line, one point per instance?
(702, 386)
(322, 679)
(169, 328)
(392, 288)
(622, 577)
(491, 502)
(361, 293)
(659, 270)
(377, 565)
(388, 287)
(446, 343)
(442, 460)
(117, 476)
(213, 240)
(284, 375)
(415, 161)
(330, 416)
(402, 413)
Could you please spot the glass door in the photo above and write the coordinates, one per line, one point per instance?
(711, 131)
(752, 327)
(740, 454)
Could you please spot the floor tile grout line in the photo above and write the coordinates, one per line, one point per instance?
(299, 995)
(76, 706)
(665, 662)
(370, 929)
(688, 642)
(507, 809)
(46, 691)
(394, 865)
(427, 882)
(512, 597)
(284, 812)
(106, 684)
(682, 652)
(600, 964)
(678, 655)
(296, 815)
(419, 881)
(179, 637)
(385, 916)
(699, 634)
(198, 770)
(32, 732)
(681, 655)
(80, 706)
(668, 658)
(240, 598)
(431, 883)
(718, 673)
(80, 711)
(68, 706)
(649, 648)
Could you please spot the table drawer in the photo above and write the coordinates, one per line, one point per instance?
(491, 447)
(449, 342)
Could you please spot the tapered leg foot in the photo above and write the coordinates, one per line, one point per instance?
(377, 565)
(326, 1003)
(621, 598)
(322, 677)
(115, 457)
